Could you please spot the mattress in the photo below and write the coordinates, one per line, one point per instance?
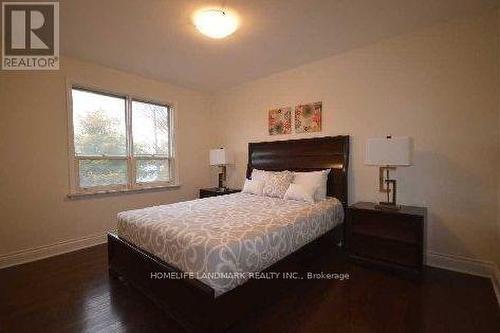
(223, 240)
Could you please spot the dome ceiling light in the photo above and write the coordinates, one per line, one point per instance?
(215, 23)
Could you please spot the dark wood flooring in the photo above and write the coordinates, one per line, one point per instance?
(72, 293)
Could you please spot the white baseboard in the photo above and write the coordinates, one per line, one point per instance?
(467, 265)
(41, 252)
(495, 279)
(460, 264)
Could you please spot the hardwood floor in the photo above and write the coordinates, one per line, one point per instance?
(72, 293)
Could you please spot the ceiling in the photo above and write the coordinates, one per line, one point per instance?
(155, 38)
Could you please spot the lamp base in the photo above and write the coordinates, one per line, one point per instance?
(222, 179)
(387, 206)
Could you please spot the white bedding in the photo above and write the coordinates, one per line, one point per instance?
(236, 233)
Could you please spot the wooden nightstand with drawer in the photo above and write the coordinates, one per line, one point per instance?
(389, 239)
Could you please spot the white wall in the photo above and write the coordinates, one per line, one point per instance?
(34, 209)
(437, 85)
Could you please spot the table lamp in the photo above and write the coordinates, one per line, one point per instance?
(388, 153)
(221, 157)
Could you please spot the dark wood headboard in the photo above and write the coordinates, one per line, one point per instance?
(305, 155)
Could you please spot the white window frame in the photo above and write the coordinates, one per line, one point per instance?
(131, 160)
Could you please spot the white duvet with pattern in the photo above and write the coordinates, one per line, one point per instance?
(236, 233)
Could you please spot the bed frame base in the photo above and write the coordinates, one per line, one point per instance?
(190, 302)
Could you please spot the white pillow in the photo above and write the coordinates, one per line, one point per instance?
(253, 186)
(313, 179)
(259, 174)
(277, 183)
(300, 193)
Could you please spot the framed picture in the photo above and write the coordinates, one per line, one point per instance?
(280, 121)
(308, 118)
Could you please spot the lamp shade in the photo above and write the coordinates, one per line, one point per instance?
(220, 156)
(388, 151)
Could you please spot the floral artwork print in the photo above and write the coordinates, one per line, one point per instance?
(280, 121)
(308, 118)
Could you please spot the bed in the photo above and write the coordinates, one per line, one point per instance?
(159, 249)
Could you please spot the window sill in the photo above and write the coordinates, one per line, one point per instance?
(79, 195)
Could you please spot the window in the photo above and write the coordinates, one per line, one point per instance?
(119, 143)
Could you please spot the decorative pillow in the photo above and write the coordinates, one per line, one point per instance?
(253, 186)
(277, 183)
(315, 179)
(300, 193)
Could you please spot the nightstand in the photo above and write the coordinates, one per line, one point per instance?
(388, 239)
(214, 191)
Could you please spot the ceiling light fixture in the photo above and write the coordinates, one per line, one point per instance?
(215, 23)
